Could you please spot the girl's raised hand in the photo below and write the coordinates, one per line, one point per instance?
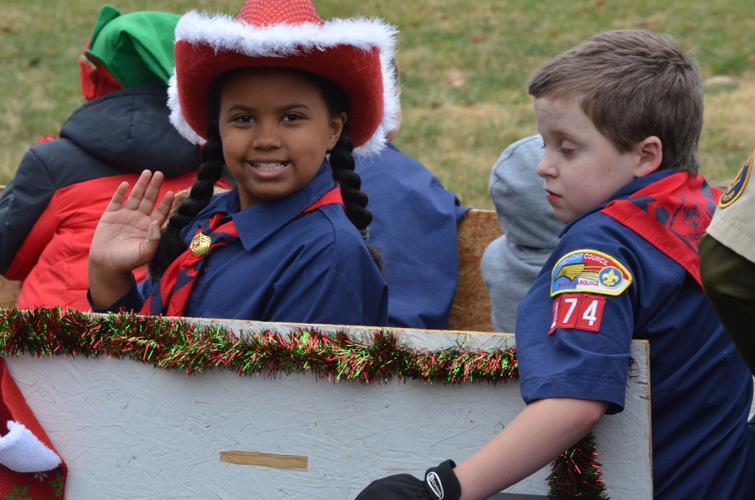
(128, 233)
(126, 237)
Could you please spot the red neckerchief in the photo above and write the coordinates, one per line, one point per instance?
(170, 294)
(671, 214)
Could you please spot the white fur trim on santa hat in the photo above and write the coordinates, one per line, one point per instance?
(223, 32)
(177, 116)
(22, 451)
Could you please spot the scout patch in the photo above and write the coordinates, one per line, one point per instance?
(589, 271)
(737, 185)
(580, 311)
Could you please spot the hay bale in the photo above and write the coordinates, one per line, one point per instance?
(470, 309)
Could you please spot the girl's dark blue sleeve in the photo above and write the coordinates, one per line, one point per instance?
(132, 301)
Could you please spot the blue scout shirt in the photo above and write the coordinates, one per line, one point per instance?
(311, 269)
(414, 227)
(701, 388)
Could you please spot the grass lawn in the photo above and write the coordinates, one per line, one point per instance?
(464, 67)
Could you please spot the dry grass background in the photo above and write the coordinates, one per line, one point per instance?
(464, 66)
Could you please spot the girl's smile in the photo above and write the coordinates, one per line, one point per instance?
(267, 169)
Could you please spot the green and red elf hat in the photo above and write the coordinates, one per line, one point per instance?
(127, 50)
(355, 54)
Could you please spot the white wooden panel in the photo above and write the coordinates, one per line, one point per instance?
(130, 431)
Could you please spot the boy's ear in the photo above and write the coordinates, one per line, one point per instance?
(649, 153)
(336, 127)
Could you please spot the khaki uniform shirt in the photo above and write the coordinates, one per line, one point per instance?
(733, 223)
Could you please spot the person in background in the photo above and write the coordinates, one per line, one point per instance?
(727, 261)
(50, 209)
(511, 262)
(414, 227)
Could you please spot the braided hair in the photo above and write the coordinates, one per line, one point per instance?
(354, 199)
(342, 163)
(211, 169)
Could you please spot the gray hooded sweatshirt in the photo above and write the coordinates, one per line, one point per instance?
(511, 262)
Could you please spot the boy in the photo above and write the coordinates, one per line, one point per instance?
(620, 116)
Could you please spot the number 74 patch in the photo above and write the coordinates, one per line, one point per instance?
(579, 311)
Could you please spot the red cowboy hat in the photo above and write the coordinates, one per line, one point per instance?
(355, 54)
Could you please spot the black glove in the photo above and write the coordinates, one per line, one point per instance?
(440, 484)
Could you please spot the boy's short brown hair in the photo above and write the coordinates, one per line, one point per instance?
(632, 84)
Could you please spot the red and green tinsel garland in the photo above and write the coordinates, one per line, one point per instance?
(576, 473)
(193, 348)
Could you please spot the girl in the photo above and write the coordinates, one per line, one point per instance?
(281, 98)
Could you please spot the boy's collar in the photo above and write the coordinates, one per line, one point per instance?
(624, 192)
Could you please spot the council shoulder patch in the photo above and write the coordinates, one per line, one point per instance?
(589, 271)
(738, 183)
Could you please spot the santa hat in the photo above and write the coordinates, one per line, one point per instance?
(29, 464)
(354, 54)
(127, 50)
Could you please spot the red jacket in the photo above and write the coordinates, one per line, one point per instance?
(49, 211)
